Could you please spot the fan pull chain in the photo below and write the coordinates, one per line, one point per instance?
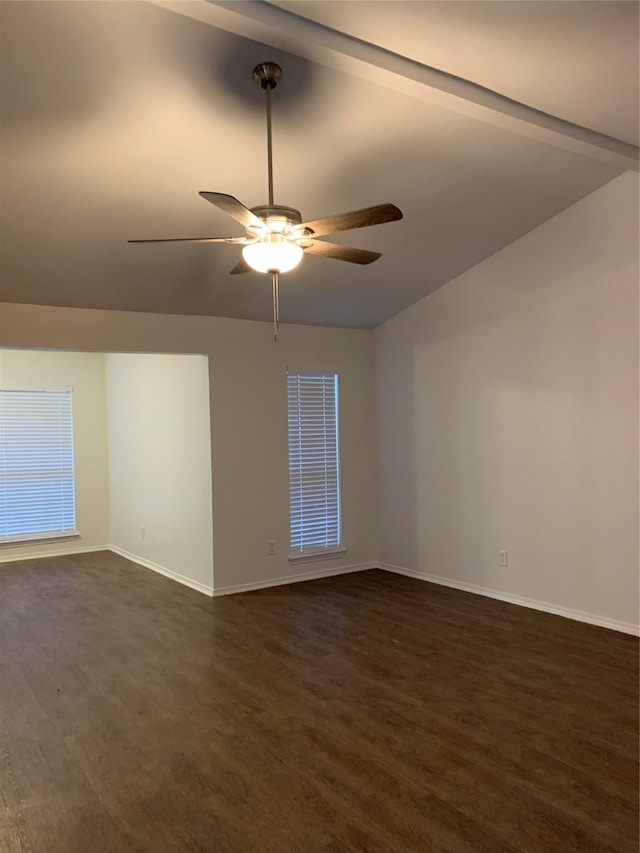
(276, 305)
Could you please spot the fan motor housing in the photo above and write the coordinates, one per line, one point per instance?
(278, 217)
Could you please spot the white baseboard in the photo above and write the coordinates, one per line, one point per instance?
(567, 613)
(50, 552)
(199, 587)
(155, 567)
(297, 578)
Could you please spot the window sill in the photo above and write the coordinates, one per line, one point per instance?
(315, 556)
(27, 539)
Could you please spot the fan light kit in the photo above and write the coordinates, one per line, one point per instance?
(276, 236)
(273, 253)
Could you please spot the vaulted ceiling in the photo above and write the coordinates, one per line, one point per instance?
(115, 115)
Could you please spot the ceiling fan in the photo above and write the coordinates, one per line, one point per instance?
(276, 236)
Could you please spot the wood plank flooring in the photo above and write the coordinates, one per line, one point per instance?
(366, 712)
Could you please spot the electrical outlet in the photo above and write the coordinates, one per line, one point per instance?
(271, 547)
(503, 558)
(142, 533)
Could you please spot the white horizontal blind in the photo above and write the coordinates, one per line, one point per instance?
(314, 481)
(37, 497)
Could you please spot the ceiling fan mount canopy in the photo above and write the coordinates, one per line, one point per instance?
(267, 74)
(276, 237)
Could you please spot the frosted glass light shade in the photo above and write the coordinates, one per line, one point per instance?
(272, 254)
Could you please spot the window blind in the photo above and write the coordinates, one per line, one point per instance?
(314, 481)
(37, 495)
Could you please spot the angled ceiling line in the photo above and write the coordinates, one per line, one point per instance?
(262, 21)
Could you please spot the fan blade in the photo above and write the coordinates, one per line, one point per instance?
(235, 240)
(234, 208)
(358, 219)
(240, 267)
(340, 253)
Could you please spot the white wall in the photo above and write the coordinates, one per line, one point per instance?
(507, 419)
(160, 462)
(507, 409)
(247, 388)
(84, 372)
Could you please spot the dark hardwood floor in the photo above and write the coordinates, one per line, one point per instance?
(366, 712)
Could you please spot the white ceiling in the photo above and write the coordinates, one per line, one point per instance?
(115, 115)
(577, 60)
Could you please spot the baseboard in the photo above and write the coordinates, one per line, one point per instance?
(532, 603)
(297, 578)
(199, 587)
(155, 567)
(65, 552)
(567, 613)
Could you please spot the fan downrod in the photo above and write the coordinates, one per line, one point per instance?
(268, 74)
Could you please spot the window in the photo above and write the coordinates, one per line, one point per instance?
(37, 495)
(314, 464)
